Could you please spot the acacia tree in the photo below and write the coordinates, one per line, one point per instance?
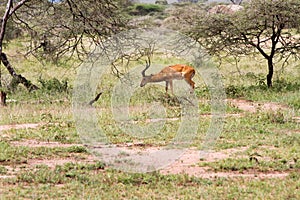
(269, 27)
(70, 26)
(59, 28)
(11, 8)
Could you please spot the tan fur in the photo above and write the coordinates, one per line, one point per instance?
(170, 73)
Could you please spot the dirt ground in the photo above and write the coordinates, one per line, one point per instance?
(188, 163)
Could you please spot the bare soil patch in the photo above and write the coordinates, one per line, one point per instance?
(53, 162)
(250, 106)
(188, 164)
(253, 107)
(35, 143)
(24, 126)
(19, 126)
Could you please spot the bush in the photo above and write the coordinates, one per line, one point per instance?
(235, 91)
(54, 85)
(145, 9)
(282, 85)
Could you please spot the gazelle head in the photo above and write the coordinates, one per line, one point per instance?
(145, 80)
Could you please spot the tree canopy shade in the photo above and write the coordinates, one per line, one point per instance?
(69, 26)
(58, 28)
(269, 27)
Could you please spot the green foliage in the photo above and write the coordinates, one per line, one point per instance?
(260, 92)
(8, 153)
(261, 26)
(54, 85)
(145, 9)
(77, 166)
(282, 85)
(235, 91)
(265, 142)
(42, 175)
(76, 149)
(273, 117)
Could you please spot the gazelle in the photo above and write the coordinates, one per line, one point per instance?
(170, 73)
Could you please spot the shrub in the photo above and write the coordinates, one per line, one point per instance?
(145, 9)
(54, 85)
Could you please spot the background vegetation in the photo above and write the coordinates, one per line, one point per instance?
(44, 158)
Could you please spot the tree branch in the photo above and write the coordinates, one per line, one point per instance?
(17, 6)
(4, 22)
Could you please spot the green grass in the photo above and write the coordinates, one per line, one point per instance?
(264, 142)
(257, 129)
(284, 92)
(92, 183)
(10, 155)
(252, 164)
(63, 132)
(144, 9)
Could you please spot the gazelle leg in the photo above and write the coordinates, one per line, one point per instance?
(191, 83)
(171, 87)
(167, 83)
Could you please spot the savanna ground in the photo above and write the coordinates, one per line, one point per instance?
(257, 155)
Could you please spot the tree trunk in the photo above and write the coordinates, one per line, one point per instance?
(2, 98)
(11, 7)
(270, 73)
(18, 78)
